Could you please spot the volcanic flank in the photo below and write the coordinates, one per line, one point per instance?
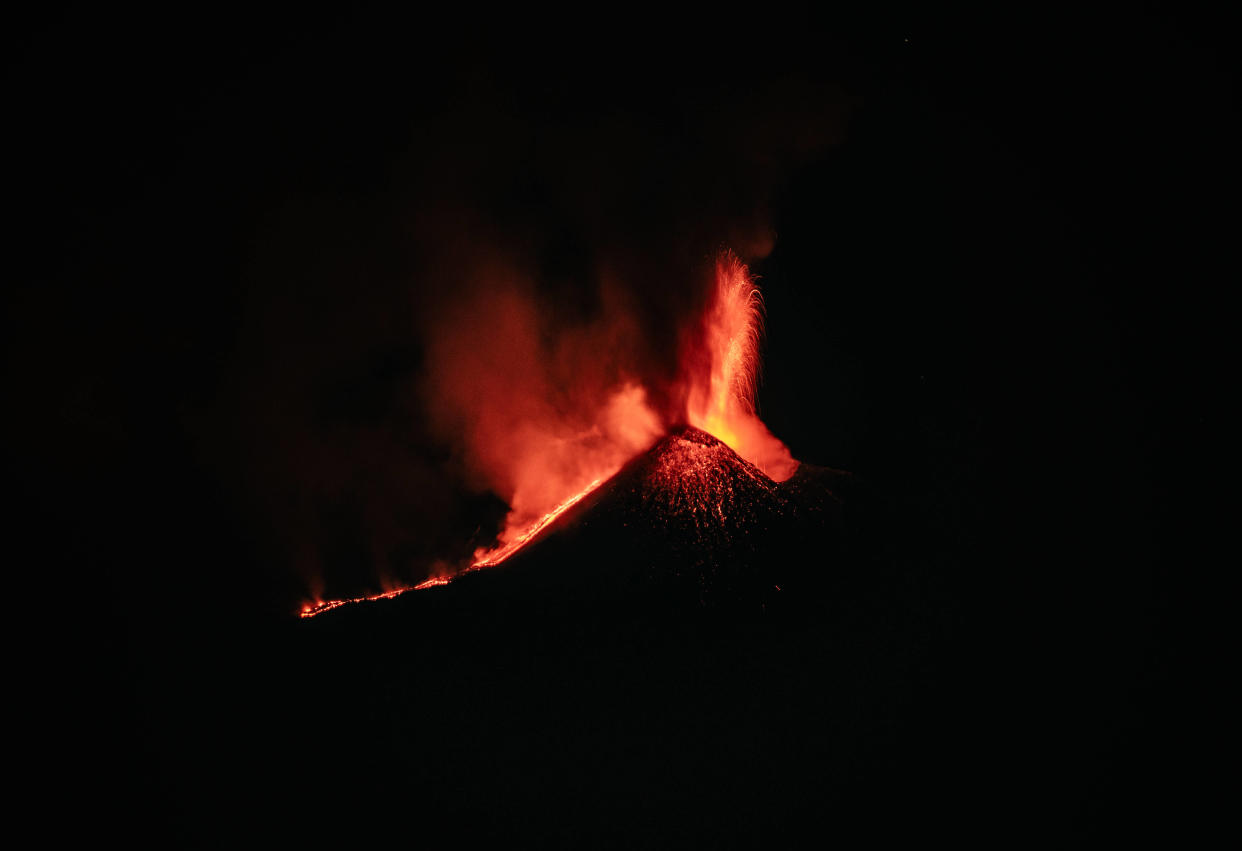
(688, 523)
(665, 639)
(689, 519)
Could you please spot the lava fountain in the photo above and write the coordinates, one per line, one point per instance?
(723, 362)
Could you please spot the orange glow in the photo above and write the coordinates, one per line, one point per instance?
(309, 610)
(545, 427)
(552, 467)
(494, 556)
(723, 361)
(483, 558)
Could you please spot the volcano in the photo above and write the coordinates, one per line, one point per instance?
(695, 516)
(688, 521)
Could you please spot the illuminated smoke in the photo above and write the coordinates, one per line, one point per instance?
(539, 413)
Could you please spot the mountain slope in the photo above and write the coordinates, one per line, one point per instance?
(688, 523)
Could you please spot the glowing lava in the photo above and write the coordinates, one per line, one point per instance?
(309, 610)
(722, 361)
(494, 556)
(483, 558)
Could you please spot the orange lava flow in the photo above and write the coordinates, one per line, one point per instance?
(311, 609)
(492, 557)
(488, 558)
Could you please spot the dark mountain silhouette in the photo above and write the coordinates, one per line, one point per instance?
(996, 298)
(692, 638)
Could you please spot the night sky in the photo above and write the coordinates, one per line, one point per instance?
(992, 247)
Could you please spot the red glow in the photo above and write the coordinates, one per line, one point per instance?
(543, 424)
